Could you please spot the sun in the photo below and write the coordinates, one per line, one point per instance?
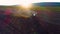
(26, 4)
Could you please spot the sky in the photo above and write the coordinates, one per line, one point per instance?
(18, 2)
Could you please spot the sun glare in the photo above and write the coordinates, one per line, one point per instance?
(25, 4)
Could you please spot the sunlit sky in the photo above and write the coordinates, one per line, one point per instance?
(17, 2)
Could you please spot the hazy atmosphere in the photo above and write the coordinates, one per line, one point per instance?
(29, 17)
